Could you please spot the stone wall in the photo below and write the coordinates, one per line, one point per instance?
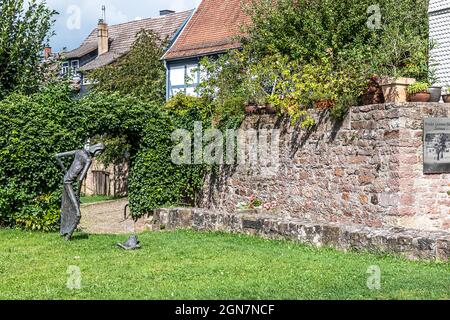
(411, 244)
(366, 169)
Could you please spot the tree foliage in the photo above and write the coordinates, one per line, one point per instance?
(24, 32)
(302, 54)
(141, 72)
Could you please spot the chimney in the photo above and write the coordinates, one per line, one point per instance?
(47, 52)
(165, 12)
(103, 43)
(103, 37)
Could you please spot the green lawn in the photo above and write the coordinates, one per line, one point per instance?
(189, 265)
(95, 199)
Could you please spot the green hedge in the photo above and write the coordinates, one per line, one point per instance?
(154, 180)
(33, 129)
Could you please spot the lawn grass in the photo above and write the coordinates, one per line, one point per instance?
(190, 265)
(95, 199)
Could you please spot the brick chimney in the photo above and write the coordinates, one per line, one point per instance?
(47, 52)
(103, 39)
(165, 12)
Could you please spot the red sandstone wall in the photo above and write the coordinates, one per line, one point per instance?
(366, 169)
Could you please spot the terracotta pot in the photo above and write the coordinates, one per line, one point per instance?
(250, 109)
(324, 104)
(395, 89)
(269, 109)
(435, 94)
(420, 97)
(446, 98)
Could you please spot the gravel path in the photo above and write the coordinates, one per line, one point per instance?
(107, 218)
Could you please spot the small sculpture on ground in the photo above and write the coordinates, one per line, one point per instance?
(131, 244)
(70, 207)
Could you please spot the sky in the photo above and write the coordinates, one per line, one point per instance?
(77, 18)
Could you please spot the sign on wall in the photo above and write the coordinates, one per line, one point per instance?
(436, 145)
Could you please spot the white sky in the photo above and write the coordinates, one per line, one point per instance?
(77, 18)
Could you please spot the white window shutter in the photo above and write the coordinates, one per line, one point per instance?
(439, 12)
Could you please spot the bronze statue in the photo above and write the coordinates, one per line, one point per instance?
(70, 207)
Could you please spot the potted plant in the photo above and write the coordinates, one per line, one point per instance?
(435, 93)
(434, 90)
(446, 94)
(250, 207)
(395, 88)
(418, 92)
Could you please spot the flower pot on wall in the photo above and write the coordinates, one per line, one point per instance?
(435, 93)
(268, 109)
(263, 109)
(420, 97)
(446, 98)
(251, 109)
(395, 89)
(324, 104)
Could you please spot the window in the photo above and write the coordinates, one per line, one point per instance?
(177, 76)
(183, 78)
(86, 81)
(74, 66)
(65, 68)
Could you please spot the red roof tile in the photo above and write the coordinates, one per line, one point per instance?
(212, 29)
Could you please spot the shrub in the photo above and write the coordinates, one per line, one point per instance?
(418, 87)
(154, 180)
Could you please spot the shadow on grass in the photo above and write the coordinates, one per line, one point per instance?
(80, 236)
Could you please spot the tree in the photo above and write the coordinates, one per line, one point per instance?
(303, 54)
(140, 73)
(24, 33)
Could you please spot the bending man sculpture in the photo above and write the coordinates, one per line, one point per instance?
(70, 207)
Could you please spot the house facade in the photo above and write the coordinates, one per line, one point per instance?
(439, 12)
(211, 31)
(105, 44)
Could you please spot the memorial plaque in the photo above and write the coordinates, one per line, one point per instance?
(436, 157)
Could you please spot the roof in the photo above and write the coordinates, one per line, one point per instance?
(212, 29)
(122, 36)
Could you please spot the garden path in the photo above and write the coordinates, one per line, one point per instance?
(107, 218)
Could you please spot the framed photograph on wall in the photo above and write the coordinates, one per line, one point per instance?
(436, 157)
